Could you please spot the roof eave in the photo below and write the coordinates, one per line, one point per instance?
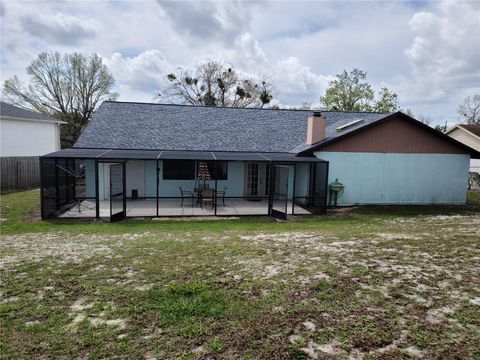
(324, 142)
(460, 127)
(473, 153)
(51, 121)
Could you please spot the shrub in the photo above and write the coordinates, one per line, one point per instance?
(473, 178)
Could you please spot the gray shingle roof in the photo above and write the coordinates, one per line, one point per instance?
(122, 125)
(20, 113)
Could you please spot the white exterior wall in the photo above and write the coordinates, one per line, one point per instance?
(28, 138)
(475, 165)
(388, 179)
(465, 138)
(470, 140)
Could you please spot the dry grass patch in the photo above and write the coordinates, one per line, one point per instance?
(354, 286)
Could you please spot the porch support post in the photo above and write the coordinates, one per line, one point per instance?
(97, 191)
(57, 192)
(42, 206)
(327, 167)
(271, 186)
(286, 191)
(314, 186)
(74, 179)
(124, 180)
(216, 177)
(157, 182)
(311, 184)
(293, 196)
(67, 180)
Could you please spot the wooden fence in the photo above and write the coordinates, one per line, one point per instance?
(19, 173)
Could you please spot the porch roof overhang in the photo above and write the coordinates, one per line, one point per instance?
(130, 154)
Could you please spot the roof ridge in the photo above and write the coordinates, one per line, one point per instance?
(173, 150)
(247, 108)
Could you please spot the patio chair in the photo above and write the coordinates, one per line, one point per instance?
(186, 195)
(207, 197)
(221, 194)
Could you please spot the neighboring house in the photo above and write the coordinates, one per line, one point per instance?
(139, 159)
(24, 136)
(470, 136)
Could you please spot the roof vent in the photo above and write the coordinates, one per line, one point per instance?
(350, 124)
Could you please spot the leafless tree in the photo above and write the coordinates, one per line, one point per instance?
(471, 109)
(217, 84)
(68, 87)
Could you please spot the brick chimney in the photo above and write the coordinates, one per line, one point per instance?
(315, 128)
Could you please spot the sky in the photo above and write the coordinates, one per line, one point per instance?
(426, 51)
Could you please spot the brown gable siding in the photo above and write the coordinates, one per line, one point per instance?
(474, 129)
(394, 136)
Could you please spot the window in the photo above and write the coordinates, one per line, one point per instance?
(178, 170)
(222, 167)
(188, 169)
(252, 179)
(211, 170)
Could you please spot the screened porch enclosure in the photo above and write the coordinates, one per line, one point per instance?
(113, 184)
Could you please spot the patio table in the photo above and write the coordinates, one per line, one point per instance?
(199, 192)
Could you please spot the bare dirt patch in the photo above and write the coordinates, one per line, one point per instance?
(394, 288)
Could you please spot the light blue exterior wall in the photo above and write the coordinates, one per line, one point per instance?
(291, 177)
(90, 178)
(101, 181)
(391, 178)
(302, 179)
(235, 179)
(150, 178)
(286, 177)
(234, 182)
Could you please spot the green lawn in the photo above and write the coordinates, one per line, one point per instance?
(371, 283)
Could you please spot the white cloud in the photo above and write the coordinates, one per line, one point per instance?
(207, 20)
(60, 28)
(427, 51)
(297, 83)
(444, 57)
(445, 54)
(140, 77)
(248, 52)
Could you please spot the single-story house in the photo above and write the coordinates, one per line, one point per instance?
(24, 136)
(141, 159)
(470, 136)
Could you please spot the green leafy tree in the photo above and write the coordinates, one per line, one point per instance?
(441, 128)
(216, 84)
(470, 109)
(350, 91)
(387, 101)
(68, 87)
